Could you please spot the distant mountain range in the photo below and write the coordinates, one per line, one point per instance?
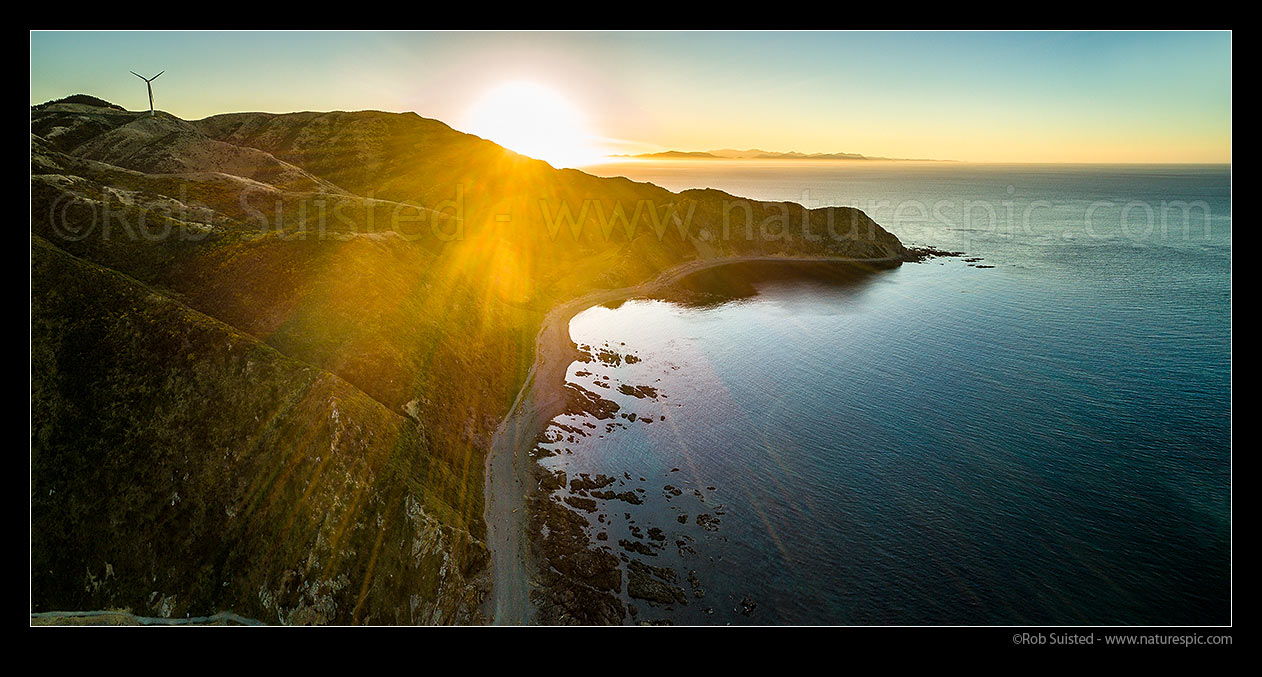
(757, 154)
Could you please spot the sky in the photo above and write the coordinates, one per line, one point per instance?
(1139, 97)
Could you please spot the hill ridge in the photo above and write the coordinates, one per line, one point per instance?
(286, 229)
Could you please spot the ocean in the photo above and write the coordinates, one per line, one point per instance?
(1038, 432)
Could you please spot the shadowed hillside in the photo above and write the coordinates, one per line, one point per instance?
(269, 351)
(184, 465)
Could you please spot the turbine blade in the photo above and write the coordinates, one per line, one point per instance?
(156, 76)
(138, 75)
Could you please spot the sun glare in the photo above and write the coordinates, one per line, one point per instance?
(536, 121)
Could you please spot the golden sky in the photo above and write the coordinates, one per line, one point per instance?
(972, 96)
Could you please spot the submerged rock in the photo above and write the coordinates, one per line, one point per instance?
(626, 496)
(637, 547)
(638, 391)
(550, 482)
(695, 583)
(580, 400)
(653, 584)
(585, 482)
(581, 503)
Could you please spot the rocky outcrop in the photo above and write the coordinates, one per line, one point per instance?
(579, 580)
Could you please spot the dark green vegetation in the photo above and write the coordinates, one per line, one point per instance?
(269, 351)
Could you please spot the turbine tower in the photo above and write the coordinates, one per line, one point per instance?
(149, 85)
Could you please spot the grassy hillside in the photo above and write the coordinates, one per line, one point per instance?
(307, 327)
(179, 465)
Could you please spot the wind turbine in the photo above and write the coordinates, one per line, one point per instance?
(149, 85)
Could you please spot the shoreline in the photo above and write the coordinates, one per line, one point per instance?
(542, 395)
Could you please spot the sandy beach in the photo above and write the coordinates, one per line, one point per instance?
(508, 466)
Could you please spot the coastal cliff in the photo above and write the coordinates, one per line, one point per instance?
(270, 352)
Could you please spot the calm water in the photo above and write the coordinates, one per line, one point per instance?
(1047, 441)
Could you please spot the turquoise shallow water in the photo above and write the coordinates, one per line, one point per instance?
(1046, 441)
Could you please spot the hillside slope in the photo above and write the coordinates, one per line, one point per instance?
(179, 465)
(316, 320)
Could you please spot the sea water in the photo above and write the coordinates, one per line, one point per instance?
(1047, 441)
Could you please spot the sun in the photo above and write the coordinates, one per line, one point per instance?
(536, 121)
